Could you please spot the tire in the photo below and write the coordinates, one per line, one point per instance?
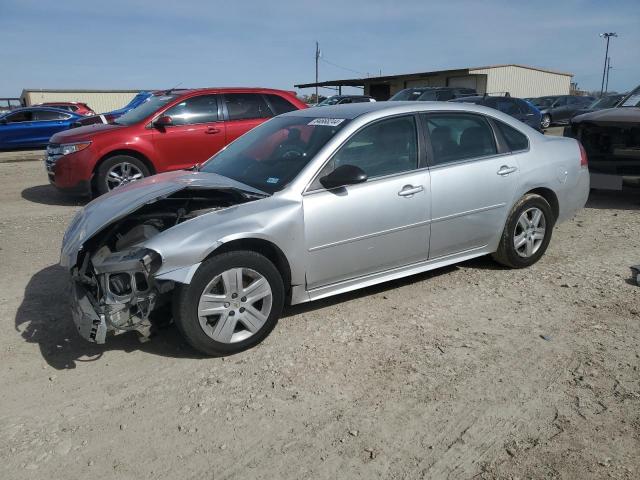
(545, 122)
(105, 183)
(521, 257)
(205, 333)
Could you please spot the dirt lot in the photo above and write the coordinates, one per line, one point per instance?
(472, 371)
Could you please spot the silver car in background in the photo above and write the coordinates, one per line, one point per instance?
(315, 203)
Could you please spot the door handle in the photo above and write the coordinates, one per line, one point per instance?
(409, 190)
(212, 130)
(506, 170)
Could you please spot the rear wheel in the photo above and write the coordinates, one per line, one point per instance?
(527, 232)
(119, 170)
(232, 303)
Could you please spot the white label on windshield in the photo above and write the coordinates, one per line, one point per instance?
(632, 101)
(326, 122)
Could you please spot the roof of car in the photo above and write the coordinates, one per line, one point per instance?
(39, 108)
(353, 110)
(181, 91)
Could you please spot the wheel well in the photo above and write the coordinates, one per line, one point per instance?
(131, 153)
(550, 197)
(263, 247)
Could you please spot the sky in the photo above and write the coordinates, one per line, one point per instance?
(141, 44)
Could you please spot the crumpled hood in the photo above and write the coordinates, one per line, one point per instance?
(610, 116)
(118, 203)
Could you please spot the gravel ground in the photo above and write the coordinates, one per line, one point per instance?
(472, 371)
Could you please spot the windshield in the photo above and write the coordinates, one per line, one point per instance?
(143, 111)
(272, 154)
(632, 100)
(543, 101)
(408, 94)
(605, 102)
(329, 101)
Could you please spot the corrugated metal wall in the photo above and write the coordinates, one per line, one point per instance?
(525, 82)
(98, 101)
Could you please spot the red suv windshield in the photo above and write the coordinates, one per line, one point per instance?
(143, 111)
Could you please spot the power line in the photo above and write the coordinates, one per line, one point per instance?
(342, 67)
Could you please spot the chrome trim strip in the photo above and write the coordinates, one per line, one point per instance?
(369, 235)
(468, 212)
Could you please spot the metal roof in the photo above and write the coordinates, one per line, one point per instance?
(357, 82)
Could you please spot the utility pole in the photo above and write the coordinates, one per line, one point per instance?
(317, 59)
(606, 83)
(606, 56)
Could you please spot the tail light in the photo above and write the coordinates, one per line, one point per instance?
(584, 163)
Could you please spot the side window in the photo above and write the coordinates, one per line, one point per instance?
(44, 115)
(444, 95)
(456, 137)
(515, 140)
(19, 117)
(383, 148)
(280, 105)
(243, 106)
(560, 102)
(201, 109)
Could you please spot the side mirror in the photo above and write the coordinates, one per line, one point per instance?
(344, 175)
(163, 121)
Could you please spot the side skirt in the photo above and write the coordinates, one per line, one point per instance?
(300, 295)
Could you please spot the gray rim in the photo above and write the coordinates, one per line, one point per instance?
(546, 121)
(530, 232)
(235, 305)
(123, 173)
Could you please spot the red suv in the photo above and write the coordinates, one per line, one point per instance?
(75, 107)
(173, 130)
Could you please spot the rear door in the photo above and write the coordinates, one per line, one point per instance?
(46, 123)
(196, 133)
(472, 184)
(243, 111)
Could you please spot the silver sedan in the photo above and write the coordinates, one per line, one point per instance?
(315, 203)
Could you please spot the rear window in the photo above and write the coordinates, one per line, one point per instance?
(279, 104)
(516, 141)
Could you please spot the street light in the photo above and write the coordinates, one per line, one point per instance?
(606, 56)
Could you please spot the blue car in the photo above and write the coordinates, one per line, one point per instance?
(33, 126)
(109, 117)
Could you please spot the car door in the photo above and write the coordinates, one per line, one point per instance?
(377, 225)
(560, 110)
(472, 184)
(195, 134)
(46, 123)
(243, 111)
(15, 129)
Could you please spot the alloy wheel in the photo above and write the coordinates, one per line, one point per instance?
(529, 232)
(235, 305)
(121, 174)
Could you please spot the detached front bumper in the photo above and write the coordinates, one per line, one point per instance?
(91, 325)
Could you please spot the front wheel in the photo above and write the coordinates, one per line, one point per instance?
(119, 170)
(527, 232)
(546, 121)
(232, 303)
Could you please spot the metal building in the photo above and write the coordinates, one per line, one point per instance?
(517, 80)
(99, 100)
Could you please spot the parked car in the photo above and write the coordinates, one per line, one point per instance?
(606, 101)
(342, 99)
(109, 117)
(167, 132)
(432, 93)
(516, 107)
(312, 204)
(611, 138)
(75, 107)
(558, 109)
(31, 127)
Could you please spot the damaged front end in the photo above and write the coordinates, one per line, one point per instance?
(113, 287)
